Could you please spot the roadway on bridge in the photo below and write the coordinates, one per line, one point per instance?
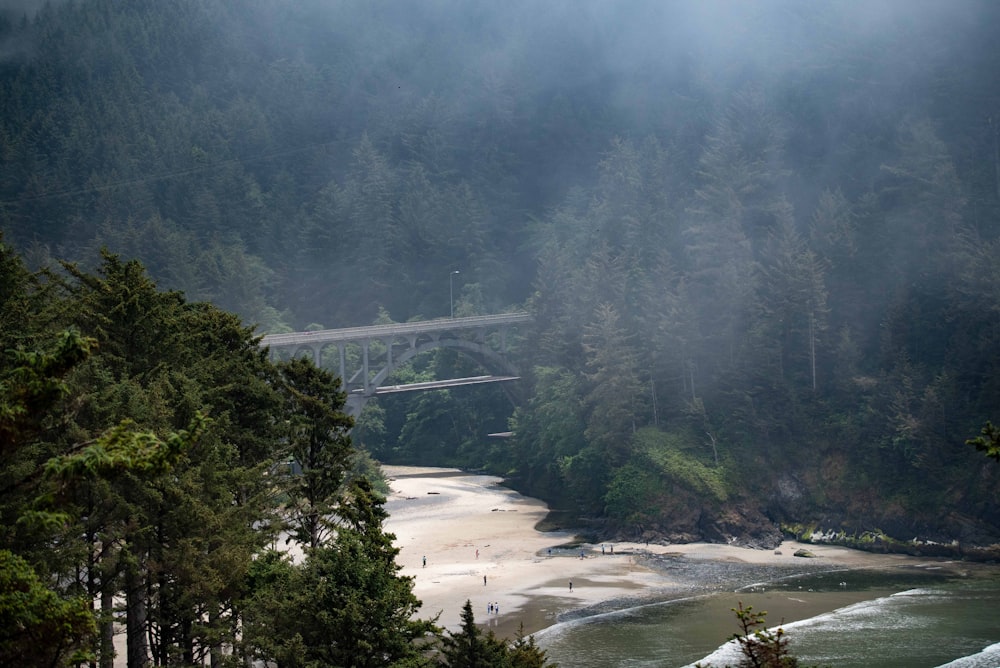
(383, 332)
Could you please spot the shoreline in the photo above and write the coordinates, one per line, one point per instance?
(469, 527)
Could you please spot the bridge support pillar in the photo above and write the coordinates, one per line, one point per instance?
(343, 365)
(364, 365)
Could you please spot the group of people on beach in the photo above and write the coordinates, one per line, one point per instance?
(493, 607)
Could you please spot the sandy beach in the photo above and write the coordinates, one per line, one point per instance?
(480, 544)
(468, 526)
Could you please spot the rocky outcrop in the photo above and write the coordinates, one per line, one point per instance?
(793, 509)
(687, 521)
(733, 524)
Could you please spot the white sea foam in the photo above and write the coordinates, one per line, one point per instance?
(989, 657)
(880, 613)
(921, 591)
(727, 655)
(921, 624)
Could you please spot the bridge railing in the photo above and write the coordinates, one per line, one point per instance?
(348, 334)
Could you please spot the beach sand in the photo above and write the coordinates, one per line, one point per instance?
(469, 527)
(447, 515)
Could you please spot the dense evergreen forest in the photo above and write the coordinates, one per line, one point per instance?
(759, 240)
(145, 484)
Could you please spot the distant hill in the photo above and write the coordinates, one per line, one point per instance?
(759, 242)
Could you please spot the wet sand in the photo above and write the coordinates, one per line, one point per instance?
(449, 516)
(469, 528)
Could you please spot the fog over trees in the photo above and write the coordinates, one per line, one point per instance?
(759, 240)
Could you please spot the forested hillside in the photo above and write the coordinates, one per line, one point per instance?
(759, 240)
(146, 492)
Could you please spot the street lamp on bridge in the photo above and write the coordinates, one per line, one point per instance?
(451, 291)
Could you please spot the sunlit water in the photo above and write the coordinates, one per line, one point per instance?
(908, 619)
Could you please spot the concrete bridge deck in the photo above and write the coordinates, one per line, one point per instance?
(392, 331)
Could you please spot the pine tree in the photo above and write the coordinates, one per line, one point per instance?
(346, 605)
(470, 647)
(792, 302)
(364, 608)
(318, 441)
(615, 393)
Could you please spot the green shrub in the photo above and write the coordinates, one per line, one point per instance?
(632, 492)
(674, 461)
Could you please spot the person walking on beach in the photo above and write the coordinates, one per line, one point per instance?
(477, 553)
(425, 561)
(571, 585)
(484, 580)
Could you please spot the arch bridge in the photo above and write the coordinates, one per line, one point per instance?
(383, 348)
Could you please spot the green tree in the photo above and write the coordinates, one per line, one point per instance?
(924, 204)
(734, 208)
(988, 441)
(525, 653)
(364, 608)
(470, 647)
(316, 430)
(176, 544)
(792, 304)
(37, 627)
(760, 646)
(548, 429)
(61, 470)
(269, 594)
(614, 393)
(345, 605)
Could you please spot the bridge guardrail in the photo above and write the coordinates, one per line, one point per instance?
(387, 331)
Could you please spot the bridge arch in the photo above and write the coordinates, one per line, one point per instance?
(479, 353)
(483, 355)
(480, 338)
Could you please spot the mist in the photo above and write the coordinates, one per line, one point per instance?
(746, 254)
(757, 240)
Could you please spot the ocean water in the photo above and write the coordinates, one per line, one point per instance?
(908, 619)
